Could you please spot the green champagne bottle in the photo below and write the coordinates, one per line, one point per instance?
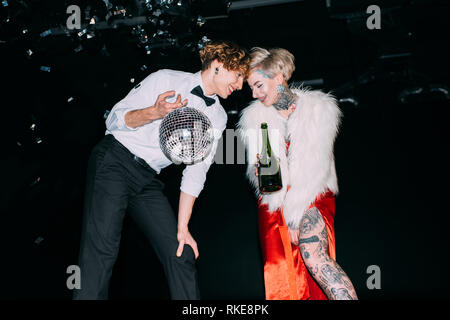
(269, 172)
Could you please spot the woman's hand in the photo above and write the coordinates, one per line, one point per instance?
(257, 164)
(294, 235)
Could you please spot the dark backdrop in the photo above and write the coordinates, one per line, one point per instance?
(392, 171)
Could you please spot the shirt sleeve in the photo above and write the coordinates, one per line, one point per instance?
(194, 176)
(141, 96)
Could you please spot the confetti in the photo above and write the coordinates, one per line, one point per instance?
(201, 21)
(38, 240)
(82, 32)
(35, 182)
(46, 33)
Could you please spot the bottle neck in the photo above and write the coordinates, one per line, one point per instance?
(266, 153)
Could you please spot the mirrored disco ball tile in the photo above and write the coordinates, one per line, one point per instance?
(185, 136)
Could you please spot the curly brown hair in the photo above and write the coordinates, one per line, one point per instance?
(233, 57)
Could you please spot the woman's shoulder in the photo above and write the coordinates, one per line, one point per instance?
(320, 108)
(254, 108)
(255, 113)
(314, 95)
(317, 101)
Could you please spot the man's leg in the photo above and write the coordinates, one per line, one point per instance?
(104, 209)
(153, 214)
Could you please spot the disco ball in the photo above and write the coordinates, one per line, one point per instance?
(186, 136)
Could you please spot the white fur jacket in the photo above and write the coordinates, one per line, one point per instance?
(308, 168)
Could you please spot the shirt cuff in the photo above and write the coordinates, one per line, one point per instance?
(192, 188)
(120, 120)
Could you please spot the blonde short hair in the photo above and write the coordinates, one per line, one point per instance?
(273, 61)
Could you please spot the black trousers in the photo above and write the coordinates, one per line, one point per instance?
(117, 182)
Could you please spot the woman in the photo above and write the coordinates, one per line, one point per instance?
(302, 128)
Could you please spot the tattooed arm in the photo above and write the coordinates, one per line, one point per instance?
(313, 244)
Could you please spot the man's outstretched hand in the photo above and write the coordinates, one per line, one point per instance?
(162, 107)
(140, 117)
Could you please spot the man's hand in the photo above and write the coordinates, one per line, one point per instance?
(294, 235)
(162, 107)
(185, 237)
(140, 117)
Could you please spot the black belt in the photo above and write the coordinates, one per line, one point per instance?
(141, 161)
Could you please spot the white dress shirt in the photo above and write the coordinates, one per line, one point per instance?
(144, 141)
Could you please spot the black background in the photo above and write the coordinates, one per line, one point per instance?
(390, 156)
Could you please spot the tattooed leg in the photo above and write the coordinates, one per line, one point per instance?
(314, 249)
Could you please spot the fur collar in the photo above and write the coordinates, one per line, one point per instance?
(308, 168)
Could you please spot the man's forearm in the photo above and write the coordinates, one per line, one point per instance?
(185, 210)
(137, 118)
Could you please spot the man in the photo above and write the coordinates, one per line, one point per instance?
(123, 167)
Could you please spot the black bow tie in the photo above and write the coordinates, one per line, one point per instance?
(199, 93)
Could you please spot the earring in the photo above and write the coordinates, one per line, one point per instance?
(217, 71)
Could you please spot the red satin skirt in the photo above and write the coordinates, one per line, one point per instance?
(285, 274)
